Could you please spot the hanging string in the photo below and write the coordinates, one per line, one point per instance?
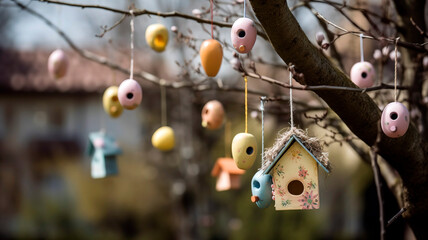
(246, 106)
(245, 8)
(361, 47)
(291, 100)
(262, 109)
(58, 16)
(395, 70)
(163, 105)
(227, 134)
(212, 17)
(131, 71)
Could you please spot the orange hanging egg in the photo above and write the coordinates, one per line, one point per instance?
(211, 53)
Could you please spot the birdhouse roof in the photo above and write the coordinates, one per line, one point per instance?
(109, 146)
(286, 140)
(227, 165)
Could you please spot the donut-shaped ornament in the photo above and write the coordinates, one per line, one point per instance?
(57, 64)
(164, 139)
(211, 53)
(261, 189)
(111, 102)
(363, 74)
(157, 37)
(130, 94)
(395, 120)
(212, 115)
(244, 150)
(243, 35)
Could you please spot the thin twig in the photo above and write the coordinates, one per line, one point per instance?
(415, 46)
(375, 168)
(105, 29)
(139, 12)
(396, 216)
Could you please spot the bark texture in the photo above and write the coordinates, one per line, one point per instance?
(407, 154)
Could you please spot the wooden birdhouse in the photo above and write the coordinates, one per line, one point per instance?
(294, 171)
(103, 150)
(228, 175)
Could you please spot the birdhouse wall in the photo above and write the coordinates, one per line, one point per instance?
(223, 181)
(235, 181)
(103, 166)
(295, 178)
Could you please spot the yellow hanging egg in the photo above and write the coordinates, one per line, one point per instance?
(111, 102)
(244, 150)
(163, 139)
(157, 37)
(211, 53)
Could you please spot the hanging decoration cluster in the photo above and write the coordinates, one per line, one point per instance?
(289, 169)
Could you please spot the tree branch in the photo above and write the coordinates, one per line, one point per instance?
(358, 111)
(140, 12)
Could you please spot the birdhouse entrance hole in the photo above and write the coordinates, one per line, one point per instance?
(129, 95)
(159, 41)
(250, 150)
(241, 33)
(114, 99)
(256, 184)
(295, 187)
(393, 115)
(364, 74)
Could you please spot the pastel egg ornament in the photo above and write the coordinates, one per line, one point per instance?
(244, 150)
(243, 35)
(111, 102)
(57, 64)
(157, 37)
(130, 94)
(212, 115)
(261, 189)
(211, 54)
(363, 74)
(395, 120)
(164, 139)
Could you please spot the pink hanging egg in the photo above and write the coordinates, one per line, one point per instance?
(395, 120)
(130, 94)
(57, 64)
(243, 35)
(212, 115)
(363, 74)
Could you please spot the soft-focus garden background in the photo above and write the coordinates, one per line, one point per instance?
(46, 190)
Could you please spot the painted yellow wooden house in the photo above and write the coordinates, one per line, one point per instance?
(294, 172)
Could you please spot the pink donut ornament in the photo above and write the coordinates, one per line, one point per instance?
(395, 120)
(57, 64)
(130, 94)
(243, 35)
(363, 74)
